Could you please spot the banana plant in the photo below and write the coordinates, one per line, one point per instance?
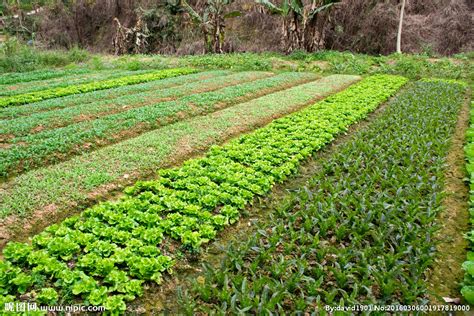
(211, 20)
(301, 26)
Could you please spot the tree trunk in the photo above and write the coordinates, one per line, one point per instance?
(400, 26)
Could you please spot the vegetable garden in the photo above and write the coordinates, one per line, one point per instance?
(117, 183)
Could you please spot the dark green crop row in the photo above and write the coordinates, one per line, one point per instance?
(358, 232)
(40, 148)
(104, 255)
(38, 75)
(92, 86)
(468, 284)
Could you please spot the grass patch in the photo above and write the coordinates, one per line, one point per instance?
(16, 57)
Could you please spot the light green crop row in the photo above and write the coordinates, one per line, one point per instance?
(91, 86)
(40, 148)
(106, 254)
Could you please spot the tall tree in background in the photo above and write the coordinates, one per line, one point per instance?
(302, 22)
(210, 18)
(400, 26)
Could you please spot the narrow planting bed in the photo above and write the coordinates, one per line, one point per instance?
(37, 75)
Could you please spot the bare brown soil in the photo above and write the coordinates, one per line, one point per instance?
(446, 274)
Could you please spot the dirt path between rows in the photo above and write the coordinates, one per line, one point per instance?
(446, 274)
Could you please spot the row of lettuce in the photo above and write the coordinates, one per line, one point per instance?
(104, 255)
(91, 86)
(52, 145)
(361, 232)
(468, 285)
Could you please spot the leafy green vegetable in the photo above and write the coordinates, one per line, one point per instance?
(47, 296)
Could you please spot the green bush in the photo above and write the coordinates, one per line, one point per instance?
(18, 57)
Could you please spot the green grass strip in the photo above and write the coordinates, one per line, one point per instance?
(62, 117)
(92, 86)
(44, 147)
(69, 183)
(105, 255)
(360, 232)
(37, 75)
(13, 112)
(467, 289)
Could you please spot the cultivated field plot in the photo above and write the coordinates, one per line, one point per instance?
(110, 181)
